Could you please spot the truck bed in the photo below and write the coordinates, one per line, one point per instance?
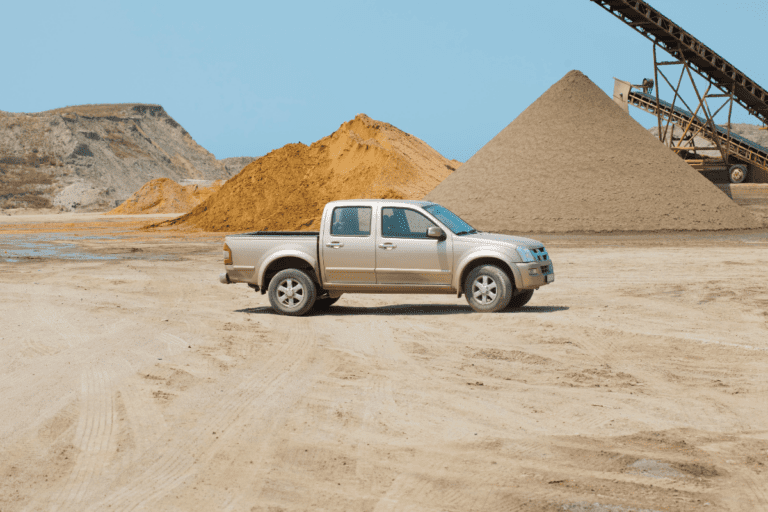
(251, 250)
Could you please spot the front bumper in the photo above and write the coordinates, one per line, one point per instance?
(534, 274)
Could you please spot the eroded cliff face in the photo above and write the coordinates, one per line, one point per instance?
(93, 157)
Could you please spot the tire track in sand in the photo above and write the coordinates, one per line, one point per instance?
(372, 342)
(392, 373)
(278, 383)
(61, 371)
(51, 324)
(756, 489)
(94, 438)
(175, 344)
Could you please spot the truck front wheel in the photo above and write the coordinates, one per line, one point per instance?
(292, 292)
(488, 289)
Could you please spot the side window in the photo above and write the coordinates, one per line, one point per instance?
(351, 221)
(404, 223)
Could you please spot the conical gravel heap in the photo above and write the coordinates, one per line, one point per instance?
(574, 161)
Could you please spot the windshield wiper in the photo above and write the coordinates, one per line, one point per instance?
(465, 232)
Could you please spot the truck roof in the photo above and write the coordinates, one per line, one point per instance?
(378, 201)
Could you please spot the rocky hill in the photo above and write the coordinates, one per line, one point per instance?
(675, 131)
(93, 157)
(236, 164)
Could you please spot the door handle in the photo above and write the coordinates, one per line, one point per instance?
(334, 245)
(388, 245)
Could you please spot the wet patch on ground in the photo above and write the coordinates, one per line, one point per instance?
(15, 248)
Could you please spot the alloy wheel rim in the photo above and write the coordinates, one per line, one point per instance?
(484, 290)
(290, 293)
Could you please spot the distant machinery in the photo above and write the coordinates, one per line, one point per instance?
(738, 155)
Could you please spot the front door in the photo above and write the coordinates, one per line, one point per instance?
(404, 254)
(349, 255)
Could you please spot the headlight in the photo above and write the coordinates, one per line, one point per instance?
(526, 254)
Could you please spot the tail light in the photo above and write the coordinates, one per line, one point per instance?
(227, 255)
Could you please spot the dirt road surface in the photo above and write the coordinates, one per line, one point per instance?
(130, 379)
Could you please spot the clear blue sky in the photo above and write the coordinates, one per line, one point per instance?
(245, 78)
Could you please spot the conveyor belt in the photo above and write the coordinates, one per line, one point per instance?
(740, 147)
(677, 42)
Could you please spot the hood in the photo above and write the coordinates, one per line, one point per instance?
(495, 238)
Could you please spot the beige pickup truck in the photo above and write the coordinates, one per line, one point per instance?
(387, 246)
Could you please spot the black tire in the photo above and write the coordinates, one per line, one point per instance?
(520, 299)
(488, 289)
(292, 292)
(737, 173)
(324, 303)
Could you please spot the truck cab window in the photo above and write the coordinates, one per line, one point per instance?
(404, 223)
(351, 221)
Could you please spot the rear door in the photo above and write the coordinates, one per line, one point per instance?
(404, 254)
(349, 255)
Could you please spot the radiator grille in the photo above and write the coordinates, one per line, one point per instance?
(540, 254)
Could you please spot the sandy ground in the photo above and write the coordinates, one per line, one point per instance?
(635, 382)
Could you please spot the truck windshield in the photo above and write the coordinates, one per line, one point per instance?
(450, 219)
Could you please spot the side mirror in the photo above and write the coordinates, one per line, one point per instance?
(435, 232)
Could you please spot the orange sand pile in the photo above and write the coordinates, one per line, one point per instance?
(287, 188)
(163, 195)
(574, 161)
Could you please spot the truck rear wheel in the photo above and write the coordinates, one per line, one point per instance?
(292, 292)
(488, 289)
(520, 299)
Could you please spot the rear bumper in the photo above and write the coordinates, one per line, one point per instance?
(534, 275)
(224, 278)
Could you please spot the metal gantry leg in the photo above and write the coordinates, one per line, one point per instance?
(656, 81)
(707, 128)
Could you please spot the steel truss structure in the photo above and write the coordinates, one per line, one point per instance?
(692, 126)
(725, 83)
